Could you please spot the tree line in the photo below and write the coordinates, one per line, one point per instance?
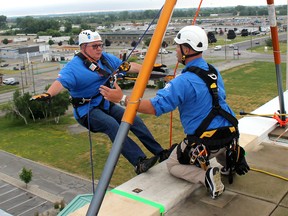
(50, 25)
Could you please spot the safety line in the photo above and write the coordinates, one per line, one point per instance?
(197, 12)
(268, 173)
(142, 36)
(140, 199)
(175, 69)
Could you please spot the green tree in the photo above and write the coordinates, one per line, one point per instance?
(5, 41)
(107, 42)
(147, 42)
(26, 175)
(71, 41)
(164, 44)
(50, 42)
(3, 22)
(23, 108)
(269, 42)
(68, 26)
(133, 44)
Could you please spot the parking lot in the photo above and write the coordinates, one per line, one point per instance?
(16, 201)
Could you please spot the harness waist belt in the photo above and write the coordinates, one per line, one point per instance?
(214, 139)
(77, 102)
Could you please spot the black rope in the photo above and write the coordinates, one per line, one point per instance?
(107, 79)
(91, 149)
(140, 39)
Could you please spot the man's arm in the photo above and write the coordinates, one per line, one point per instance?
(145, 107)
(115, 95)
(135, 67)
(55, 88)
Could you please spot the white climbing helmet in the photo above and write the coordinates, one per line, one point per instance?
(87, 36)
(195, 36)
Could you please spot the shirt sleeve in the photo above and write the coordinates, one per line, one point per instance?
(171, 96)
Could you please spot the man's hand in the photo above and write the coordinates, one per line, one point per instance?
(159, 67)
(113, 95)
(41, 97)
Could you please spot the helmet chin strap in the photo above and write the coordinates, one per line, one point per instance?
(87, 55)
(184, 57)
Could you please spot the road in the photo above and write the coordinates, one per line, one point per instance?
(47, 187)
(45, 74)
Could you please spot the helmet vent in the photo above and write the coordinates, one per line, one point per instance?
(200, 44)
(179, 36)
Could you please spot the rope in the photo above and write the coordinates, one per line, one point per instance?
(171, 113)
(91, 149)
(88, 113)
(175, 69)
(197, 12)
(268, 173)
(140, 39)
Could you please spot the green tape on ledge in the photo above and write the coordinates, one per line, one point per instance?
(140, 199)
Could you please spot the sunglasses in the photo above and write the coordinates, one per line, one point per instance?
(96, 46)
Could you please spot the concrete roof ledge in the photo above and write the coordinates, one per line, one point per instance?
(260, 127)
(158, 186)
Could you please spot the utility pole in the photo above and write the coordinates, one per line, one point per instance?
(287, 48)
(33, 81)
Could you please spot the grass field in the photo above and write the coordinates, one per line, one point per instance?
(248, 87)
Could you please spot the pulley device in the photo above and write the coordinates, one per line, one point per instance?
(281, 119)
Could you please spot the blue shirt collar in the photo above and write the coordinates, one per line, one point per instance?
(198, 62)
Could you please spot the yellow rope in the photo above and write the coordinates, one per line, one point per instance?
(268, 173)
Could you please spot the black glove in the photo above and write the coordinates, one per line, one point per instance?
(241, 166)
(159, 68)
(125, 66)
(41, 97)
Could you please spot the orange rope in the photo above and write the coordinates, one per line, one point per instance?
(175, 69)
(197, 12)
(171, 113)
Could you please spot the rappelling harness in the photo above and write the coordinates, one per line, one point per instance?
(203, 142)
(93, 66)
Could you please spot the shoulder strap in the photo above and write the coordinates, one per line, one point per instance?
(93, 66)
(210, 78)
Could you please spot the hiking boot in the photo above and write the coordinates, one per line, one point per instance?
(166, 153)
(145, 164)
(213, 182)
(225, 171)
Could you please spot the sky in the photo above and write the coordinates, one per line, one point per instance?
(11, 8)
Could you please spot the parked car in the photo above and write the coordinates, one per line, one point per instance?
(141, 57)
(217, 48)
(231, 45)
(10, 81)
(19, 68)
(4, 65)
(163, 51)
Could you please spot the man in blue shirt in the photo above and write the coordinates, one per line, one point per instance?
(82, 77)
(190, 93)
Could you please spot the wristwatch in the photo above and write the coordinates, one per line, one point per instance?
(122, 101)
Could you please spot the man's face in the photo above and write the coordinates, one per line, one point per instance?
(94, 49)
